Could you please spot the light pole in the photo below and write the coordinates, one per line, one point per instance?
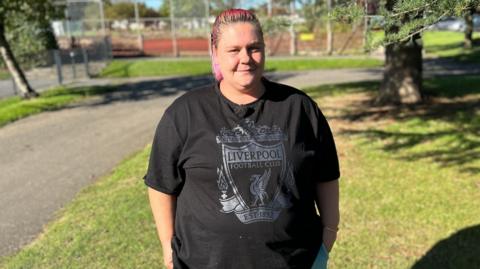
(173, 30)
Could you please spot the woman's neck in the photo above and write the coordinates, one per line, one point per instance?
(242, 97)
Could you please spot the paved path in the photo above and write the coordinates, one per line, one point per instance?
(46, 159)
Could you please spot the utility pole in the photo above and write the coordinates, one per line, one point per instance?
(293, 34)
(173, 30)
(207, 18)
(137, 26)
(106, 42)
(365, 26)
(329, 29)
(269, 8)
(137, 16)
(102, 18)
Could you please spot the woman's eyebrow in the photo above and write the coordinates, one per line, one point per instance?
(256, 43)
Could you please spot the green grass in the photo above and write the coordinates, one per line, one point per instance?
(4, 74)
(108, 225)
(452, 86)
(400, 199)
(450, 44)
(446, 44)
(341, 89)
(14, 108)
(149, 68)
(146, 68)
(396, 210)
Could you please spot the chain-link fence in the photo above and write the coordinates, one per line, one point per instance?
(190, 36)
(56, 67)
(185, 32)
(84, 49)
(87, 39)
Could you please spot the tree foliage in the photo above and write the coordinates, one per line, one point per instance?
(126, 10)
(35, 16)
(27, 25)
(407, 18)
(403, 22)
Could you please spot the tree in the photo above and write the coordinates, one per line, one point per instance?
(126, 10)
(220, 5)
(38, 12)
(468, 40)
(404, 21)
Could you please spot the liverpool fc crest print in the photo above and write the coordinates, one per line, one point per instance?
(255, 179)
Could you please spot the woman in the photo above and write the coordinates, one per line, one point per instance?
(236, 167)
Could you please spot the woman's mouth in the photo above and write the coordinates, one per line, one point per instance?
(246, 70)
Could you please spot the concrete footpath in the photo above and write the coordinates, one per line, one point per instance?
(47, 158)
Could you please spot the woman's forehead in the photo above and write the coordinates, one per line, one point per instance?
(239, 32)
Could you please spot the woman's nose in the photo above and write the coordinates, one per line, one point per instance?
(245, 56)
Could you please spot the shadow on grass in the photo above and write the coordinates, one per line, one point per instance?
(452, 86)
(457, 51)
(141, 90)
(459, 251)
(146, 89)
(14, 108)
(463, 153)
(445, 129)
(443, 47)
(339, 89)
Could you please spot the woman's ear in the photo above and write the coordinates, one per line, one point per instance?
(215, 66)
(213, 51)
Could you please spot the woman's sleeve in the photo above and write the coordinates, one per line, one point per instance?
(326, 158)
(164, 173)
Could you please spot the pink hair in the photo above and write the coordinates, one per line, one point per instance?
(227, 17)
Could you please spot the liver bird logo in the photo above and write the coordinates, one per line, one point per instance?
(258, 187)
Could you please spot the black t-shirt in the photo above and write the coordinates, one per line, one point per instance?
(244, 176)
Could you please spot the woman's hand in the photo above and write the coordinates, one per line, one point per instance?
(168, 258)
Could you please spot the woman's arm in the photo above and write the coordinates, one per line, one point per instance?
(327, 203)
(163, 209)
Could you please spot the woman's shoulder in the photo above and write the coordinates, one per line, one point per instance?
(288, 94)
(192, 98)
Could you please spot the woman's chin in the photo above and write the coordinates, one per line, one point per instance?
(249, 81)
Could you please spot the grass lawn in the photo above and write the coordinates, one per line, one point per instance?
(146, 68)
(409, 182)
(14, 108)
(4, 74)
(450, 45)
(446, 44)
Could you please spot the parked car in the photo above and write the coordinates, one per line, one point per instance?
(456, 24)
(450, 24)
(476, 22)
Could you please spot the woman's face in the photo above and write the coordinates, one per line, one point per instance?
(240, 53)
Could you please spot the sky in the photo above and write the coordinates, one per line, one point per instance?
(155, 4)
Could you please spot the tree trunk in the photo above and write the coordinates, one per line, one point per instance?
(402, 75)
(468, 40)
(13, 67)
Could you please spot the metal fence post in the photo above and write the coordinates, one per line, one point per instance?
(58, 64)
(72, 62)
(85, 62)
